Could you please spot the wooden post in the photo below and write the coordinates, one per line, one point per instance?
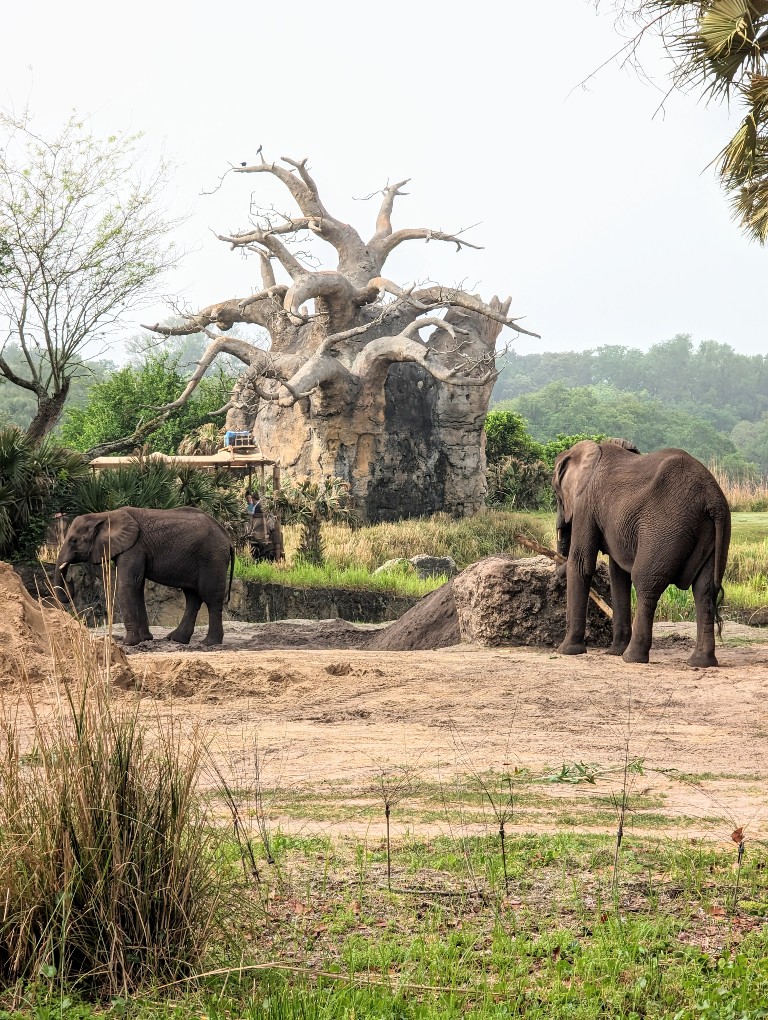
(278, 539)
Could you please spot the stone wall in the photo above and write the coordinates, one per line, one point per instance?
(250, 602)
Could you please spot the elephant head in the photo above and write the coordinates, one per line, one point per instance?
(573, 470)
(92, 537)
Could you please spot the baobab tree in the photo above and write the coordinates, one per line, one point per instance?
(349, 387)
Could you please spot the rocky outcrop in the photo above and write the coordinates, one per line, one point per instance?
(506, 600)
(501, 600)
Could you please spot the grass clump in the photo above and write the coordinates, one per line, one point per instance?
(106, 878)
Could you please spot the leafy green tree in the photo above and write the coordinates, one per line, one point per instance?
(35, 481)
(83, 239)
(586, 411)
(506, 435)
(719, 48)
(119, 404)
(710, 382)
(562, 442)
(751, 440)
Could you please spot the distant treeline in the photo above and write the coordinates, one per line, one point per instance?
(707, 398)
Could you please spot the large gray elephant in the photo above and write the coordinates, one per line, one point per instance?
(182, 548)
(661, 518)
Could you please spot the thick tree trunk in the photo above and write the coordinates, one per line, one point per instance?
(48, 413)
(350, 388)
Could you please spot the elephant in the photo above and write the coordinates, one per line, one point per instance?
(182, 548)
(661, 518)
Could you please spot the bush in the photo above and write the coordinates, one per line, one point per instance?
(506, 435)
(562, 442)
(34, 481)
(106, 864)
(310, 504)
(520, 485)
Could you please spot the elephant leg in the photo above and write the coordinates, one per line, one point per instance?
(130, 597)
(186, 628)
(215, 635)
(578, 582)
(621, 602)
(642, 629)
(704, 652)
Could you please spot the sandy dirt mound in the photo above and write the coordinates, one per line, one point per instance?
(37, 642)
(432, 623)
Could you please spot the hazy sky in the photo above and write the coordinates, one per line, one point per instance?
(601, 220)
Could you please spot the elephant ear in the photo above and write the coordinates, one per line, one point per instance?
(573, 469)
(116, 533)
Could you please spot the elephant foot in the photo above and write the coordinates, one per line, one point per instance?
(137, 639)
(617, 649)
(702, 659)
(212, 640)
(635, 655)
(180, 637)
(572, 648)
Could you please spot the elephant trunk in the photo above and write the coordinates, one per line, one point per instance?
(60, 590)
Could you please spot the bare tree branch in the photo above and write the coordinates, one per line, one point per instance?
(384, 219)
(376, 357)
(422, 233)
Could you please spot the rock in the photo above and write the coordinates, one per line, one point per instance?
(400, 565)
(503, 600)
(500, 600)
(434, 566)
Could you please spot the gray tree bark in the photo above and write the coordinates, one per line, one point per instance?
(349, 386)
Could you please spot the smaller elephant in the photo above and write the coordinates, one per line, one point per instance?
(661, 518)
(181, 548)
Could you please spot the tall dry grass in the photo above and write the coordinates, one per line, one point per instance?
(465, 539)
(744, 494)
(107, 876)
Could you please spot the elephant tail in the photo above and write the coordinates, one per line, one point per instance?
(722, 541)
(231, 571)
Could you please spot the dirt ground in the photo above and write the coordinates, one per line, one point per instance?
(331, 727)
(347, 720)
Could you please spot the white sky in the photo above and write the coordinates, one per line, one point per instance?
(600, 220)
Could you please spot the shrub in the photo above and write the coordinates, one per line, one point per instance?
(520, 485)
(506, 435)
(106, 862)
(562, 442)
(34, 480)
(310, 504)
(159, 486)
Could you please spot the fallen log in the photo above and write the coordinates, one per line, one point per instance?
(529, 543)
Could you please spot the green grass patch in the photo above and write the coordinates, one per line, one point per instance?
(305, 575)
(568, 935)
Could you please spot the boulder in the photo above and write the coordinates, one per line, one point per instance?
(500, 600)
(434, 566)
(505, 600)
(398, 564)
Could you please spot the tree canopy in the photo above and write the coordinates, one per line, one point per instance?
(82, 239)
(719, 47)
